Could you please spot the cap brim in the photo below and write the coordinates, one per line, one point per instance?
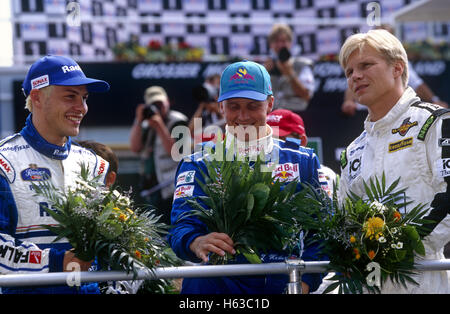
(243, 94)
(92, 85)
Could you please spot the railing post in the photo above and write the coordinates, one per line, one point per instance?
(295, 277)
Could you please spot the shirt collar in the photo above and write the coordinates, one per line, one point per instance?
(35, 140)
(252, 148)
(409, 97)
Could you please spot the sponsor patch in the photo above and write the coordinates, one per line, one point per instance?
(183, 191)
(7, 169)
(399, 145)
(35, 257)
(186, 177)
(102, 167)
(34, 173)
(443, 167)
(40, 82)
(286, 172)
(404, 127)
(444, 142)
(354, 168)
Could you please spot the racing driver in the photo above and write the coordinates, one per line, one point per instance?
(404, 138)
(56, 89)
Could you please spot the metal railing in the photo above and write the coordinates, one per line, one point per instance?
(294, 268)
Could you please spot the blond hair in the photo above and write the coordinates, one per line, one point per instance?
(47, 92)
(279, 29)
(382, 41)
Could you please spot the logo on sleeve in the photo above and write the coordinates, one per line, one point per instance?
(35, 257)
(183, 191)
(7, 169)
(186, 177)
(443, 167)
(444, 142)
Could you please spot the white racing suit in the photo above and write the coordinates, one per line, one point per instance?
(412, 141)
(25, 245)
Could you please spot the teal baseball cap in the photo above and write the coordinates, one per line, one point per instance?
(245, 79)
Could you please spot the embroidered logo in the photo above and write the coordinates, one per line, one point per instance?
(34, 173)
(399, 145)
(404, 127)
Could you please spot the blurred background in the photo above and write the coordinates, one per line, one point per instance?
(176, 44)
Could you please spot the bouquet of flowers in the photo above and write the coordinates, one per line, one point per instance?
(101, 223)
(259, 214)
(371, 240)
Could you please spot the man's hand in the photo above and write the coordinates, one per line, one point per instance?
(69, 257)
(215, 242)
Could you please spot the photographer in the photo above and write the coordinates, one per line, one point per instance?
(292, 77)
(150, 136)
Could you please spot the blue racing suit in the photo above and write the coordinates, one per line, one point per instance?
(25, 245)
(294, 163)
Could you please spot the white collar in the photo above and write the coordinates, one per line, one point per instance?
(252, 148)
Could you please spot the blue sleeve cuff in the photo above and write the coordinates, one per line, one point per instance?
(55, 260)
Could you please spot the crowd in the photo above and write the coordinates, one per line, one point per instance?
(404, 136)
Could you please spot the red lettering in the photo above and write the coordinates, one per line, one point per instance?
(5, 165)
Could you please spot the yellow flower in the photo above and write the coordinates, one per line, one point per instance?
(123, 217)
(374, 227)
(116, 209)
(130, 211)
(352, 239)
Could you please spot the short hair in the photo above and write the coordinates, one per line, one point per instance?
(278, 29)
(103, 151)
(382, 41)
(29, 104)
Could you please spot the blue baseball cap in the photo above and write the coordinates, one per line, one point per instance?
(245, 79)
(59, 70)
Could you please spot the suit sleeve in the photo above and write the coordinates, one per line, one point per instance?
(185, 228)
(17, 256)
(438, 154)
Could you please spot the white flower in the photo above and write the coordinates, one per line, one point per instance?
(378, 206)
(382, 239)
(394, 230)
(399, 245)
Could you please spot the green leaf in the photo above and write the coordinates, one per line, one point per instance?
(253, 258)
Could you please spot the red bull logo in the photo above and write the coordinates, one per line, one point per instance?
(183, 191)
(241, 73)
(286, 172)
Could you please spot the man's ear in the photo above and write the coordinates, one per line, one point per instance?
(36, 97)
(399, 68)
(111, 178)
(270, 101)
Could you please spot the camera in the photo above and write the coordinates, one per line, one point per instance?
(284, 54)
(150, 110)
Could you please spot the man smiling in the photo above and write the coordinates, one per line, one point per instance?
(245, 100)
(56, 90)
